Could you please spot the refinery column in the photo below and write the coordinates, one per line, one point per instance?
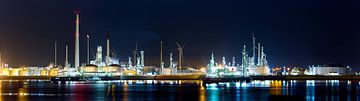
(77, 56)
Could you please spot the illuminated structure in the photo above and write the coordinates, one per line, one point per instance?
(211, 66)
(140, 64)
(67, 71)
(98, 58)
(135, 53)
(248, 66)
(99, 67)
(29, 71)
(104, 65)
(171, 70)
(262, 67)
(130, 66)
(215, 70)
(244, 62)
(172, 65)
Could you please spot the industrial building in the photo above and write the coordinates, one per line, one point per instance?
(329, 69)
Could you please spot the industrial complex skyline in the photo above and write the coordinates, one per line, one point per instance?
(294, 33)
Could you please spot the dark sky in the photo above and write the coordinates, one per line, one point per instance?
(293, 32)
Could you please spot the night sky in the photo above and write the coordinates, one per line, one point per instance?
(293, 32)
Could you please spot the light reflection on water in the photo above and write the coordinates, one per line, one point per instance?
(309, 90)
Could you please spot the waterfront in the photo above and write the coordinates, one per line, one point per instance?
(181, 90)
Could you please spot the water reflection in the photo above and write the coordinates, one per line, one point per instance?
(276, 87)
(125, 92)
(309, 90)
(23, 92)
(202, 92)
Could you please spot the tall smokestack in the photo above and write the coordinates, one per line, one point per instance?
(107, 49)
(171, 61)
(55, 55)
(233, 61)
(77, 54)
(130, 64)
(253, 37)
(142, 59)
(66, 55)
(259, 56)
(135, 53)
(161, 58)
(88, 49)
(262, 56)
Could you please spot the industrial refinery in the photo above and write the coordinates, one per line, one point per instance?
(179, 50)
(107, 65)
(111, 66)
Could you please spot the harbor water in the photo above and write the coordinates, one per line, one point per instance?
(293, 90)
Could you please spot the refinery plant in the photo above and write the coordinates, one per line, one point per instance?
(111, 66)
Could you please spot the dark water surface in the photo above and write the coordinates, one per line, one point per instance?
(181, 90)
